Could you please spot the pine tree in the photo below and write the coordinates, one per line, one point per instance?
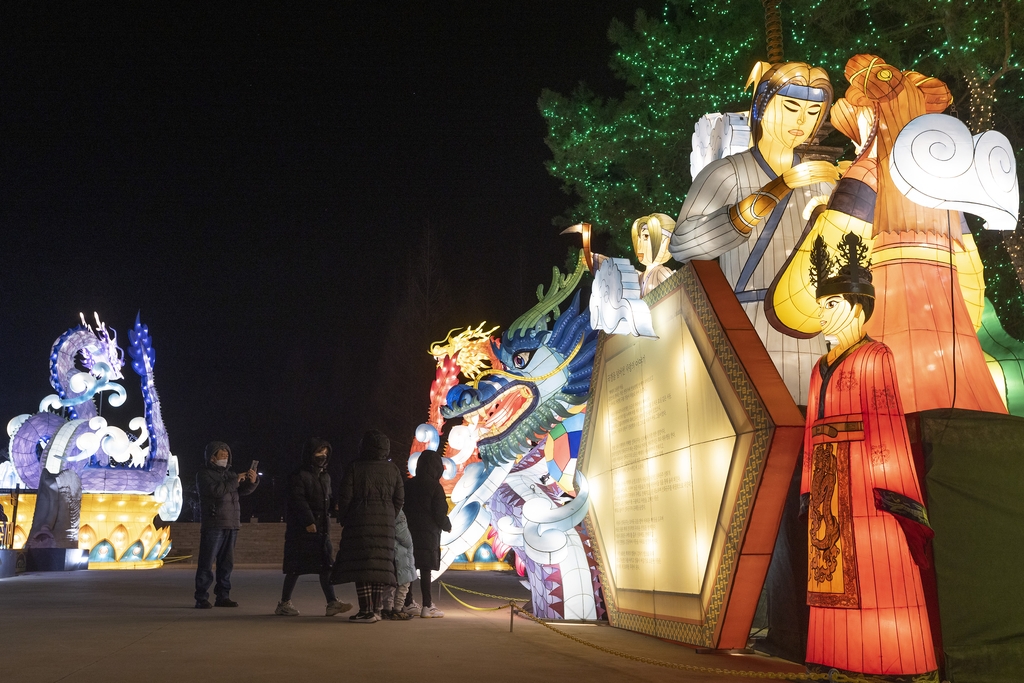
(624, 158)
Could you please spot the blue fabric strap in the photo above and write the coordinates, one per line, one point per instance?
(761, 246)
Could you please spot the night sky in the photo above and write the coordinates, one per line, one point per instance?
(258, 183)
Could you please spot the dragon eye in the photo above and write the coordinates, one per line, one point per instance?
(522, 359)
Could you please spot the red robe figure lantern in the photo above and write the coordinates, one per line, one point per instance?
(867, 525)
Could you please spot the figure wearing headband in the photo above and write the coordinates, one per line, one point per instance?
(747, 209)
(867, 524)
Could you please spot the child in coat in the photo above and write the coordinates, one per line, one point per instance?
(405, 572)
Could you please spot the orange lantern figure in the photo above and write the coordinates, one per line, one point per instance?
(867, 525)
(927, 271)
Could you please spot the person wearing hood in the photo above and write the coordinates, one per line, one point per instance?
(427, 511)
(370, 499)
(307, 541)
(219, 488)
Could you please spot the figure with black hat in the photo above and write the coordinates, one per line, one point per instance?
(867, 524)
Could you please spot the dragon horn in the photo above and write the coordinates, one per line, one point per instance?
(561, 287)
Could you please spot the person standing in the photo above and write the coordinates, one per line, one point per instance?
(370, 499)
(405, 572)
(307, 541)
(219, 488)
(427, 511)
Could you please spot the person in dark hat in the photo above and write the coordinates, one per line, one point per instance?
(371, 496)
(219, 488)
(307, 541)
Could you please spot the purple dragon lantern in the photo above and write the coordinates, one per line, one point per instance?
(85, 361)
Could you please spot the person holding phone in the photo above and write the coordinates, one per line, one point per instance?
(219, 488)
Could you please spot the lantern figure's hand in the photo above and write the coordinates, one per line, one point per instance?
(810, 172)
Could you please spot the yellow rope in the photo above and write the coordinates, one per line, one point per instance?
(692, 667)
(182, 558)
(477, 609)
(767, 675)
(483, 595)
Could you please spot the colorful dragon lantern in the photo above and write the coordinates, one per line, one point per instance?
(126, 477)
(521, 406)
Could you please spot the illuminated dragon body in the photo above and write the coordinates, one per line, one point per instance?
(68, 425)
(539, 377)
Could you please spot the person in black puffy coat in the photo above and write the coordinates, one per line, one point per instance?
(307, 540)
(219, 488)
(371, 496)
(427, 511)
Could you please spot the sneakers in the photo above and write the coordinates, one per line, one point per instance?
(431, 612)
(203, 604)
(400, 616)
(363, 618)
(225, 602)
(413, 609)
(286, 609)
(337, 607)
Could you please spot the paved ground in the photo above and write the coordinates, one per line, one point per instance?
(111, 626)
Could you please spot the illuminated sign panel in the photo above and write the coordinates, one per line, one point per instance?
(690, 444)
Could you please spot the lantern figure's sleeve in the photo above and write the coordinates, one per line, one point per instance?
(895, 486)
(813, 395)
(704, 229)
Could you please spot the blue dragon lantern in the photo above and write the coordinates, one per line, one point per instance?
(539, 380)
(133, 471)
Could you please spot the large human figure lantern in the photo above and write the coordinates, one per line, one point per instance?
(747, 209)
(927, 271)
(867, 525)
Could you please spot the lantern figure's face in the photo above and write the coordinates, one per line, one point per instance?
(836, 314)
(790, 121)
(645, 250)
(643, 247)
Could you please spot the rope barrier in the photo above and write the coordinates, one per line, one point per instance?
(182, 558)
(483, 595)
(472, 607)
(832, 677)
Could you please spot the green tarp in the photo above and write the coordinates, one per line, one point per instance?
(975, 485)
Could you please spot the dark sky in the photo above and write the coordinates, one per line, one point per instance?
(253, 180)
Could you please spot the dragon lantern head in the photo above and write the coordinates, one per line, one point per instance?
(103, 350)
(542, 373)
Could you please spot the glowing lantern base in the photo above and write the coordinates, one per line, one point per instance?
(116, 529)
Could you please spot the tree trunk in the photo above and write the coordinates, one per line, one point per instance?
(983, 96)
(1014, 243)
(773, 30)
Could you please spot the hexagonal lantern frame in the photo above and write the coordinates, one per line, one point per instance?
(769, 430)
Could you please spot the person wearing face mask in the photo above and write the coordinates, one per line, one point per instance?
(219, 488)
(307, 543)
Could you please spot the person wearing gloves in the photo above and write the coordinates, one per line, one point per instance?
(307, 541)
(219, 488)
(427, 511)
